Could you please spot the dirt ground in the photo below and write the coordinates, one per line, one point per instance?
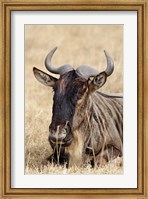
(77, 45)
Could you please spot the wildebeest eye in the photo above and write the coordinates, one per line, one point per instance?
(82, 91)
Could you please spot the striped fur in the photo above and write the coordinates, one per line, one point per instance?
(98, 120)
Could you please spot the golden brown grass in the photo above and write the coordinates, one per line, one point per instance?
(77, 45)
(109, 168)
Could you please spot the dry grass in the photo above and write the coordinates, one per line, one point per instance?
(109, 168)
(77, 45)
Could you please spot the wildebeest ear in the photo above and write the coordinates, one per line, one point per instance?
(98, 81)
(44, 78)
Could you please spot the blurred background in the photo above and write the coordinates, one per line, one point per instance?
(77, 45)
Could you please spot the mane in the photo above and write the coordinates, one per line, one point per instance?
(102, 121)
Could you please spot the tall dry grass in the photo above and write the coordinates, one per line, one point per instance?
(77, 45)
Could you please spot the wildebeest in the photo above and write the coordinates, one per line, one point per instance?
(86, 125)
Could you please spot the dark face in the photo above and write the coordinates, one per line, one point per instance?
(67, 91)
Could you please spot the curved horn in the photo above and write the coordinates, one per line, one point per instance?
(86, 71)
(61, 70)
(110, 64)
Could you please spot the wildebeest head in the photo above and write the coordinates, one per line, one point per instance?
(70, 90)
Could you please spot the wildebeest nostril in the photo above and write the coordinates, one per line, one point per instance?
(52, 138)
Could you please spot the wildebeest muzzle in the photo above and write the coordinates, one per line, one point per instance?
(60, 135)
